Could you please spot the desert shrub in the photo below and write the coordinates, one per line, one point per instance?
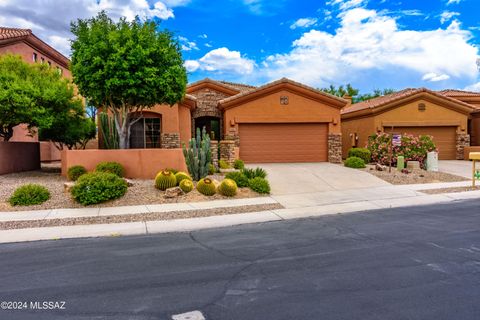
(182, 176)
(28, 195)
(111, 167)
(240, 179)
(239, 164)
(413, 148)
(254, 173)
(206, 187)
(174, 171)
(224, 164)
(362, 153)
(75, 172)
(96, 187)
(186, 185)
(227, 187)
(354, 162)
(211, 169)
(164, 180)
(259, 185)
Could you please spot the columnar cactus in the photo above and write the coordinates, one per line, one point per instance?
(198, 156)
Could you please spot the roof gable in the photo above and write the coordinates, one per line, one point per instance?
(283, 83)
(212, 84)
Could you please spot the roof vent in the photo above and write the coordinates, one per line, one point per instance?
(422, 107)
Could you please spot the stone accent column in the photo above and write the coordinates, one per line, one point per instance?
(335, 148)
(170, 140)
(214, 149)
(227, 151)
(463, 140)
(233, 135)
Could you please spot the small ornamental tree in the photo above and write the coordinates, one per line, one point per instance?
(126, 67)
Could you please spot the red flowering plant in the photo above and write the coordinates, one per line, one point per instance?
(413, 148)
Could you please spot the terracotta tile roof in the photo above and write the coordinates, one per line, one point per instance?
(239, 86)
(459, 93)
(10, 33)
(384, 100)
(283, 80)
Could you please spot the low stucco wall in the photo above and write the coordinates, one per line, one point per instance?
(19, 156)
(48, 152)
(138, 163)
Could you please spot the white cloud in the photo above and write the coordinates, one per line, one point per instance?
(208, 45)
(222, 60)
(203, 36)
(347, 4)
(453, 2)
(176, 3)
(447, 16)
(304, 23)
(50, 20)
(187, 45)
(369, 43)
(473, 87)
(433, 77)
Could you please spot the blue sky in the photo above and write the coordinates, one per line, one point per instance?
(368, 43)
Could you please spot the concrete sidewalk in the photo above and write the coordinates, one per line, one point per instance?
(296, 206)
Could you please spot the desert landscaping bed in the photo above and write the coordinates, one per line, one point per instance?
(151, 216)
(142, 192)
(414, 177)
(450, 190)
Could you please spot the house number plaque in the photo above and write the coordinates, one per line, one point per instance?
(284, 100)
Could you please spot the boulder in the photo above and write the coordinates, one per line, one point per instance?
(129, 182)
(67, 186)
(173, 192)
(413, 165)
(380, 167)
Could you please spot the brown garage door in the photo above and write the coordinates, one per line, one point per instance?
(444, 138)
(283, 142)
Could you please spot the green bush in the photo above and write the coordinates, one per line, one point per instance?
(254, 173)
(259, 184)
(28, 195)
(227, 187)
(362, 153)
(164, 180)
(240, 179)
(211, 169)
(96, 187)
(111, 167)
(206, 187)
(75, 172)
(239, 164)
(186, 185)
(182, 176)
(354, 162)
(223, 164)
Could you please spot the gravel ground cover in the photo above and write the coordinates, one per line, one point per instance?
(415, 177)
(450, 190)
(152, 216)
(142, 192)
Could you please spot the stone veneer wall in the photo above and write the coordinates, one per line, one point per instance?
(233, 135)
(207, 106)
(463, 140)
(170, 140)
(214, 149)
(227, 151)
(335, 148)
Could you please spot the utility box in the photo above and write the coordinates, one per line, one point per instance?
(432, 161)
(400, 163)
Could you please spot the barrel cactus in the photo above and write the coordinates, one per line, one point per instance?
(198, 156)
(186, 185)
(228, 188)
(180, 176)
(164, 180)
(206, 187)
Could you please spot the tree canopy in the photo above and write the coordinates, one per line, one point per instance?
(126, 67)
(341, 91)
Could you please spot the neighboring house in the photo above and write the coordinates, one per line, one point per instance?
(24, 43)
(413, 111)
(283, 121)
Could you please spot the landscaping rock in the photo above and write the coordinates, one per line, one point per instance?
(129, 182)
(413, 165)
(173, 192)
(228, 170)
(67, 186)
(380, 167)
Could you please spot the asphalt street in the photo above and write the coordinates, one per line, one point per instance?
(408, 263)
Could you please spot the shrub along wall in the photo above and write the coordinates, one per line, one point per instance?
(138, 163)
(19, 156)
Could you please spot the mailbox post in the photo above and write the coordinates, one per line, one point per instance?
(474, 156)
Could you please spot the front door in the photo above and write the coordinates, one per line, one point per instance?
(211, 124)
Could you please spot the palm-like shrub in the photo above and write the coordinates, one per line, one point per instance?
(206, 187)
(228, 188)
(254, 173)
(259, 185)
(28, 195)
(186, 185)
(96, 187)
(75, 172)
(240, 179)
(239, 164)
(111, 167)
(223, 164)
(164, 180)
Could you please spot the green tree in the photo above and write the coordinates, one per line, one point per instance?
(126, 67)
(348, 90)
(26, 94)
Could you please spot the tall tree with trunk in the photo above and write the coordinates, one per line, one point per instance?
(126, 67)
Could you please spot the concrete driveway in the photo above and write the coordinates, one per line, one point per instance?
(301, 178)
(460, 168)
